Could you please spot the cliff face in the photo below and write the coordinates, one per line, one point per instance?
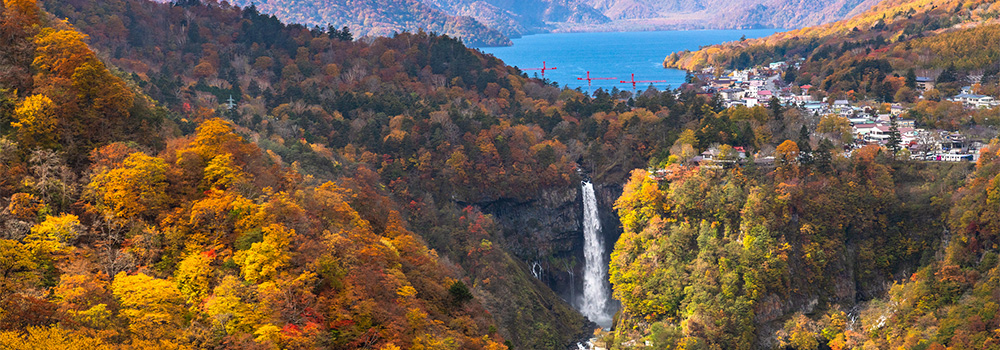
(848, 291)
(547, 234)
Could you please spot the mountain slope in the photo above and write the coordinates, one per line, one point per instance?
(120, 231)
(730, 14)
(380, 18)
(516, 18)
(487, 22)
(643, 9)
(798, 13)
(445, 129)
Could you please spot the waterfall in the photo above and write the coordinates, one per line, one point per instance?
(594, 303)
(536, 270)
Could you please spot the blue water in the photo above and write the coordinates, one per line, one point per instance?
(612, 55)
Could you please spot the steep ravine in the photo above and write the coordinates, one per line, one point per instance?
(547, 234)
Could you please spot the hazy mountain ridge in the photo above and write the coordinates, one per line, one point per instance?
(642, 9)
(733, 14)
(781, 13)
(493, 22)
(381, 18)
(516, 18)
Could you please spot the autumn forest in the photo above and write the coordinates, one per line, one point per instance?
(196, 174)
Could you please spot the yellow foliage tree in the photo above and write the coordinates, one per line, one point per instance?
(51, 236)
(36, 122)
(154, 307)
(263, 260)
(641, 201)
(135, 188)
(192, 276)
(60, 52)
(17, 266)
(230, 307)
(62, 229)
(212, 135)
(221, 172)
(837, 126)
(786, 156)
(48, 338)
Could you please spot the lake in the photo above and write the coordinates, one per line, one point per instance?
(615, 54)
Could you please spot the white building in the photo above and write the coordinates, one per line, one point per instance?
(974, 100)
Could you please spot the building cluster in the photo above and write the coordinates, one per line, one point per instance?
(759, 85)
(922, 144)
(751, 87)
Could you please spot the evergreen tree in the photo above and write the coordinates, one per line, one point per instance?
(775, 106)
(823, 156)
(747, 137)
(894, 138)
(805, 148)
(911, 79)
(949, 75)
(790, 76)
(717, 104)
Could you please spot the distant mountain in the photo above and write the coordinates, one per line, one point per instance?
(645, 9)
(380, 18)
(493, 22)
(516, 18)
(797, 13)
(729, 13)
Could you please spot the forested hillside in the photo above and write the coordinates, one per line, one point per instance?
(400, 131)
(724, 258)
(118, 231)
(199, 175)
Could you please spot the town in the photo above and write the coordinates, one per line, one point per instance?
(870, 122)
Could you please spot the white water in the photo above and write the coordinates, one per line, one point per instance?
(594, 303)
(536, 270)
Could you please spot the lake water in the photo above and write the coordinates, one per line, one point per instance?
(615, 55)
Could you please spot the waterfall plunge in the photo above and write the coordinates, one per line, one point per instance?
(594, 303)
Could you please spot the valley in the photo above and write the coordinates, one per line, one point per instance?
(198, 174)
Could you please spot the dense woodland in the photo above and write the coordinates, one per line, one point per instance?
(119, 233)
(706, 254)
(400, 131)
(334, 203)
(716, 258)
